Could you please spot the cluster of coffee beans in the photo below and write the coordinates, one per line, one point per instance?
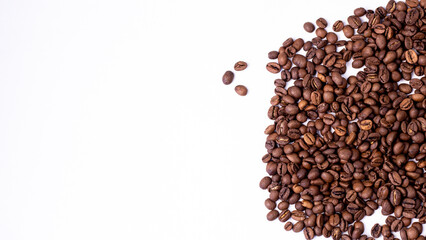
(228, 78)
(341, 147)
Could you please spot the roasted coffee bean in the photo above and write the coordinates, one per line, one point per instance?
(309, 27)
(298, 227)
(240, 65)
(288, 226)
(321, 23)
(228, 77)
(338, 26)
(272, 215)
(273, 67)
(241, 90)
(376, 231)
(366, 124)
(284, 216)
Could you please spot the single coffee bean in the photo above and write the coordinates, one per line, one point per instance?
(309, 233)
(240, 65)
(321, 23)
(309, 138)
(338, 26)
(273, 67)
(273, 55)
(288, 226)
(298, 227)
(241, 90)
(309, 27)
(376, 231)
(366, 124)
(228, 77)
(272, 215)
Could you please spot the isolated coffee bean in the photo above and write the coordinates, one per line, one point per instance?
(228, 77)
(241, 90)
(240, 65)
(309, 27)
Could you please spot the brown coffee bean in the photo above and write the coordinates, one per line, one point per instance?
(376, 231)
(411, 56)
(288, 226)
(321, 23)
(309, 233)
(241, 90)
(228, 77)
(366, 124)
(273, 67)
(284, 216)
(272, 215)
(309, 138)
(406, 104)
(298, 227)
(340, 130)
(309, 27)
(338, 26)
(240, 65)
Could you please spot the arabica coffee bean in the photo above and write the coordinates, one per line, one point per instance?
(338, 26)
(376, 231)
(273, 67)
(241, 90)
(228, 77)
(309, 27)
(321, 23)
(240, 65)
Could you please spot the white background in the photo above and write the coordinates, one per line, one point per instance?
(115, 124)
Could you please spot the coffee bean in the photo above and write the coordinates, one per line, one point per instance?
(376, 231)
(309, 233)
(298, 227)
(406, 104)
(395, 178)
(288, 226)
(411, 56)
(366, 124)
(273, 67)
(412, 233)
(240, 65)
(272, 215)
(284, 216)
(228, 77)
(273, 55)
(309, 138)
(265, 182)
(309, 27)
(321, 23)
(241, 90)
(338, 26)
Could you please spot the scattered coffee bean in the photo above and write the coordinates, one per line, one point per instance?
(228, 77)
(241, 90)
(240, 65)
(309, 27)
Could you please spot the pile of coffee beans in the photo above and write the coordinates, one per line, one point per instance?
(228, 78)
(341, 147)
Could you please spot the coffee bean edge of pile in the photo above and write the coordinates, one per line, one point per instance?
(341, 147)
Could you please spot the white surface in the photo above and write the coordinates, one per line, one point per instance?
(115, 124)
